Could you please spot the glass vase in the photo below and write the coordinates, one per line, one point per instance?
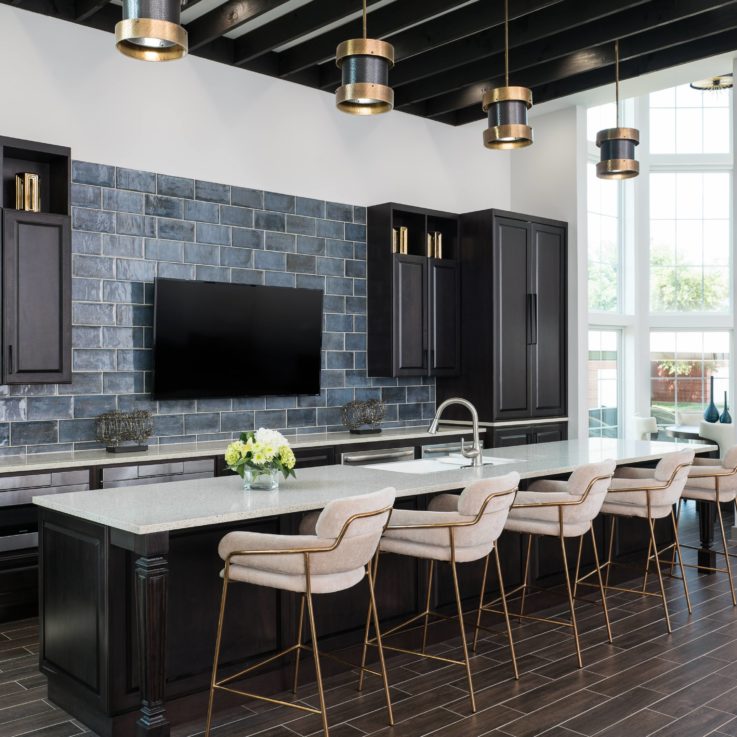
(261, 479)
(711, 413)
(725, 418)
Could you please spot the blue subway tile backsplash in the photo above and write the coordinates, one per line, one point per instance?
(130, 226)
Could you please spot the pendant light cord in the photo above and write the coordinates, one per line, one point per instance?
(616, 66)
(365, 32)
(506, 43)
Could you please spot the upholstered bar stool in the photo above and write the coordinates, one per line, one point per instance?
(456, 529)
(649, 494)
(562, 509)
(336, 557)
(715, 482)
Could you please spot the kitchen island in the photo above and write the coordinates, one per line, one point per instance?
(129, 576)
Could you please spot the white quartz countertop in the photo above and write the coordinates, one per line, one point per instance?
(179, 451)
(179, 505)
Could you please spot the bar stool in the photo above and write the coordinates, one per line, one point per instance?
(715, 482)
(562, 509)
(649, 494)
(457, 529)
(335, 558)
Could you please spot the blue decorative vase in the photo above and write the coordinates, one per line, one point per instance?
(711, 413)
(725, 418)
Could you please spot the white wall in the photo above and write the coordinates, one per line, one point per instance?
(544, 182)
(197, 118)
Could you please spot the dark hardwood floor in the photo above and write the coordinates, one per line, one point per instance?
(646, 683)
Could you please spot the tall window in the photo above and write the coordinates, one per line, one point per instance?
(603, 383)
(689, 241)
(603, 242)
(681, 366)
(688, 121)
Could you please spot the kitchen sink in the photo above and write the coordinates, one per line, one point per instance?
(436, 465)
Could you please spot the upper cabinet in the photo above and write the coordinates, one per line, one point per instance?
(514, 316)
(413, 292)
(36, 264)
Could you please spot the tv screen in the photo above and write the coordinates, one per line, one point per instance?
(234, 340)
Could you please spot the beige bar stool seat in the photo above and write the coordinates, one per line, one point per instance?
(650, 494)
(714, 481)
(456, 529)
(334, 558)
(562, 509)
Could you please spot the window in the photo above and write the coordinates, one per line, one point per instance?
(603, 242)
(681, 366)
(688, 121)
(689, 241)
(603, 383)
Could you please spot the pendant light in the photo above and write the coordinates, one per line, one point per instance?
(151, 30)
(718, 83)
(507, 107)
(617, 144)
(364, 64)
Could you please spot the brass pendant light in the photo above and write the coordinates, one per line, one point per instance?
(507, 107)
(617, 144)
(151, 30)
(364, 64)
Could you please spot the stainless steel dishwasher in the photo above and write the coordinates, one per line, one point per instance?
(370, 457)
(441, 449)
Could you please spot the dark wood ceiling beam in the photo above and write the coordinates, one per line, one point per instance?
(536, 23)
(83, 9)
(226, 18)
(634, 50)
(381, 23)
(670, 21)
(299, 22)
(684, 53)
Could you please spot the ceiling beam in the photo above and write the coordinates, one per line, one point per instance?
(83, 9)
(447, 48)
(723, 41)
(299, 22)
(226, 18)
(381, 23)
(669, 22)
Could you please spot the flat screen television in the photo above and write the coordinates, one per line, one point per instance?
(234, 340)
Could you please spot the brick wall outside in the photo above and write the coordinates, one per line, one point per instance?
(130, 226)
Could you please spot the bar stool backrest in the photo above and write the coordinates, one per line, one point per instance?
(730, 458)
(673, 468)
(594, 478)
(354, 518)
(494, 498)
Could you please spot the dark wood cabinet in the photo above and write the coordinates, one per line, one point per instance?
(513, 317)
(37, 301)
(413, 296)
(37, 269)
(502, 437)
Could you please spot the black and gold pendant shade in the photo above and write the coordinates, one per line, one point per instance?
(506, 108)
(151, 30)
(617, 145)
(364, 65)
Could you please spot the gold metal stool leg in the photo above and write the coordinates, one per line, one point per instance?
(610, 552)
(430, 575)
(571, 603)
(218, 641)
(461, 623)
(481, 603)
(726, 552)
(601, 582)
(647, 565)
(316, 653)
(379, 644)
(375, 564)
(503, 597)
(654, 544)
(526, 576)
(578, 566)
(677, 551)
(300, 627)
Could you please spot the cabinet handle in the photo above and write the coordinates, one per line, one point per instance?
(528, 319)
(10, 359)
(533, 318)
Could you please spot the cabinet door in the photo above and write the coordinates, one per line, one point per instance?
(550, 433)
(511, 284)
(445, 326)
(36, 298)
(548, 357)
(507, 436)
(410, 315)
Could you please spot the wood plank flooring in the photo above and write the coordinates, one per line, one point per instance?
(646, 683)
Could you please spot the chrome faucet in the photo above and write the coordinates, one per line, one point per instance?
(475, 453)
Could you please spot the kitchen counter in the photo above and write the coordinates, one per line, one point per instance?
(165, 507)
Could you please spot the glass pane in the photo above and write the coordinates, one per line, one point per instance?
(716, 131)
(603, 383)
(716, 242)
(662, 196)
(716, 195)
(663, 289)
(688, 243)
(662, 131)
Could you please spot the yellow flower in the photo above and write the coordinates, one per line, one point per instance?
(286, 456)
(233, 453)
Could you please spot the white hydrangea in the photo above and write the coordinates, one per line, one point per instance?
(270, 438)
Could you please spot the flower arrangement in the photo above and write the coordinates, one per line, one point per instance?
(261, 454)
